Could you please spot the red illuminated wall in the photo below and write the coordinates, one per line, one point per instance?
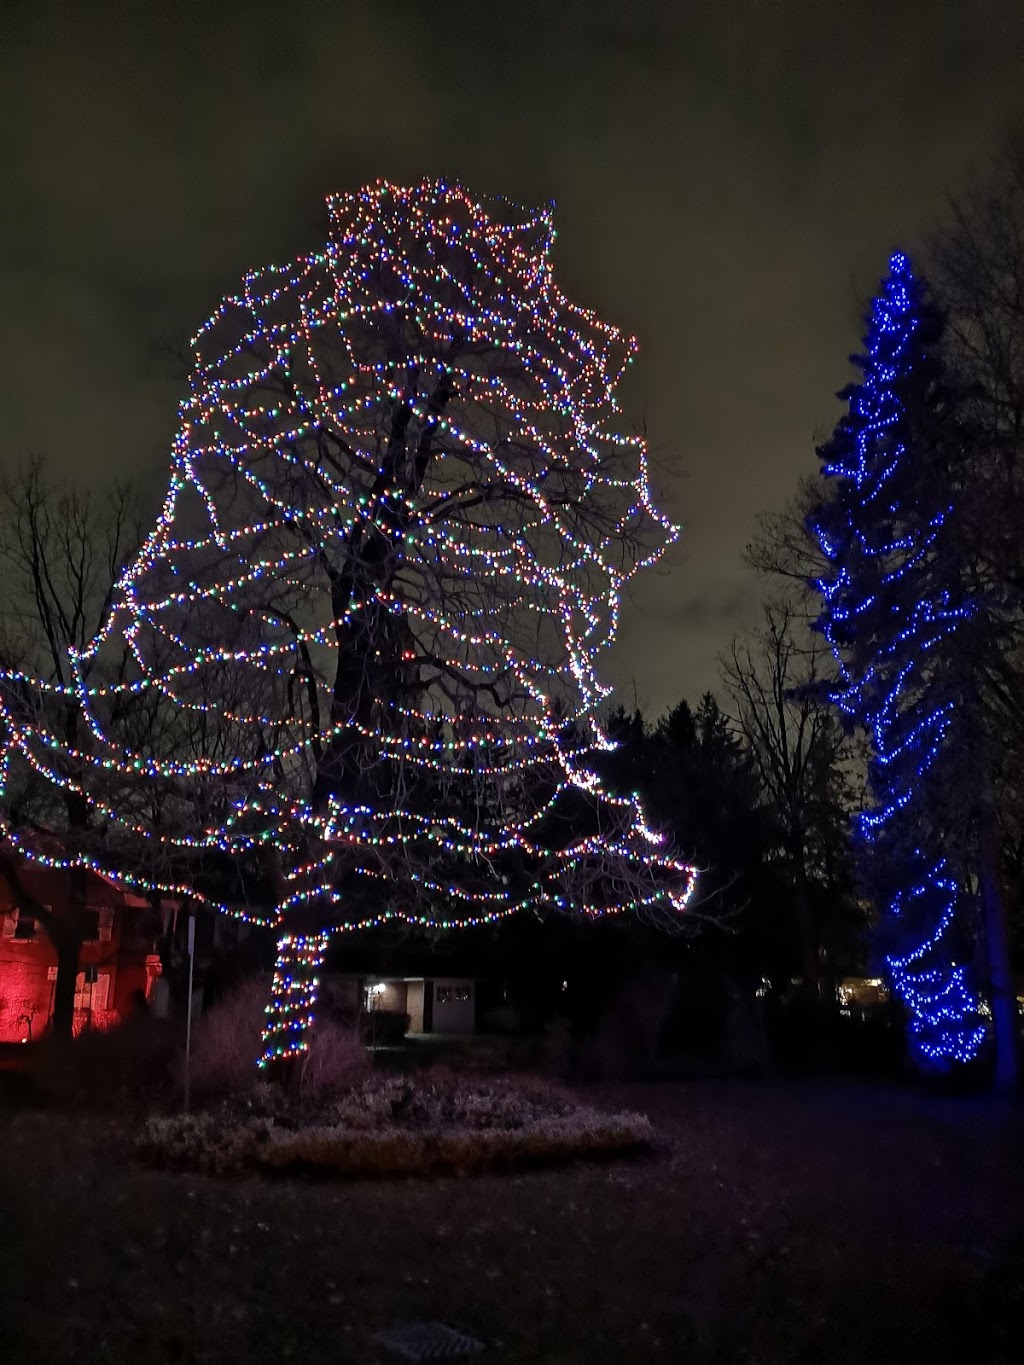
(121, 963)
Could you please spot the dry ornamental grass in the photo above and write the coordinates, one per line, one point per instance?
(393, 1126)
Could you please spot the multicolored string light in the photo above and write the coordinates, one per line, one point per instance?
(359, 645)
(890, 605)
(293, 995)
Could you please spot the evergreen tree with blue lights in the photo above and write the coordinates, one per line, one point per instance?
(899, 620)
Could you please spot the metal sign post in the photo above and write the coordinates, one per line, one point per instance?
(188, 1007)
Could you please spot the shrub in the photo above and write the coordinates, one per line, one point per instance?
(468, 1052)
(397, 1126)
(383, 1027)
(337, 1058)
(404, 1152)
(203, 1142)
(226, 1041)
(339, 1000)
(558, 1048)
(131, 1063)
(500, 1019)
(442, 1099)
(626, 1043)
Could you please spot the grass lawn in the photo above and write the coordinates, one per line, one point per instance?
(778, 1222)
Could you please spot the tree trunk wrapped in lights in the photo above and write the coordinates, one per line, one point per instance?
(394, 544)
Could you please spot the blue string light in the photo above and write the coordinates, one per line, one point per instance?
(887, 613)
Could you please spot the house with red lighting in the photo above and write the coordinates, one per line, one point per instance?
(118, 962)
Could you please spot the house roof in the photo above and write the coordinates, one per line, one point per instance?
(50, 847)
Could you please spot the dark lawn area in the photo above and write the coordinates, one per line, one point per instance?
(780, 1221)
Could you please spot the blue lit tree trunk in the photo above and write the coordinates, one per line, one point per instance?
(899, 621)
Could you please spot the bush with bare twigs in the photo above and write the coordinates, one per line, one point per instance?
(396, 1125)
(226, 1042)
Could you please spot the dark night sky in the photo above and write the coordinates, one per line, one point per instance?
(729, 178)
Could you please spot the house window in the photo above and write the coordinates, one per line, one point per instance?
(25, 927)
(91, 989)
(447, 995)
(91, 920)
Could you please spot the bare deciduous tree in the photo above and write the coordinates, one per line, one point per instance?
(61, 550)
(775, 676)
(397, 532)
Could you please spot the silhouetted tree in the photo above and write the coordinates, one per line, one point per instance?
(61, 549)
(397, 531)
(775, 676)
(898, 613)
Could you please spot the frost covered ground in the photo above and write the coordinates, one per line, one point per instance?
(775, 1222)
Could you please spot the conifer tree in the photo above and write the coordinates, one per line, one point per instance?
(897, 616)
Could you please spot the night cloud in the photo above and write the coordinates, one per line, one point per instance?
(729, 179)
